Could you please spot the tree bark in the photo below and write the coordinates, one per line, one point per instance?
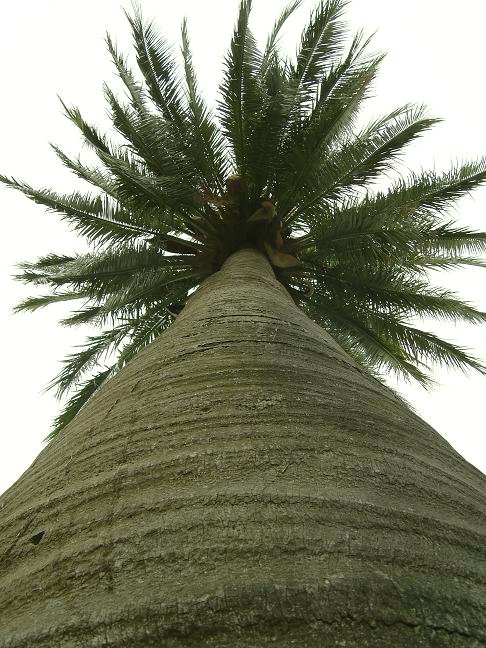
(243, 483)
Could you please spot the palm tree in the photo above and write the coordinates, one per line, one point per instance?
(230, 469)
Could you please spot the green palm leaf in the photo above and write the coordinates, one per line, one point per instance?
(321, 47)
(270, 53)
(154, 58)
(96, 217)
(78, 400)
(207, 144)
(241, 92)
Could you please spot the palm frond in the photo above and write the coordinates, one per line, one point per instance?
(241, 90)
(396, 294)
(135, 89)
(270, 52)
(172, 180)
(428, 347)
(302, 174)
(362, 338)
(266, 134)
(321, 47)
(431, 193)
(77, 364)
(132, 336)
(106, 273)
(424, 262)
(149, 140)
(94, 176)
(363, 158)
(34, 303)
(93, 314)
(155, 60)
(90, 133)
(207, 145)
(76, 402)
(96, 217)
(144, 331)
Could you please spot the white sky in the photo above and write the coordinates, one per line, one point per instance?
(436, 55)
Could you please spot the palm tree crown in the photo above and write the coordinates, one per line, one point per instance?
(282, 167)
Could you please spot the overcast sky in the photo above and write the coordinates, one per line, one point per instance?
(436, 55)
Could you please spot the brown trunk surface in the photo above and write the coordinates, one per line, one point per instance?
(243, 483)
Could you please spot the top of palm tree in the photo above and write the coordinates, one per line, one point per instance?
(282, 167)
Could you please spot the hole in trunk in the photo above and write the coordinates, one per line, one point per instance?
(35, 539)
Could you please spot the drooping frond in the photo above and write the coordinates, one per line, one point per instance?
(77, 364)
(130, 338)
(34, 303)
(282, 167)
(95, 217)
(398, 227)
(80, 398)
(394, 293)
(386, 344)
(109, 273)
(362, 337)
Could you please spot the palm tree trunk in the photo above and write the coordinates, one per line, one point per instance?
(243, 483)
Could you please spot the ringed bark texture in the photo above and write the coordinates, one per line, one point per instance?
(243, 483)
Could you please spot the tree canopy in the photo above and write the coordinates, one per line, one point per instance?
(282, 165)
